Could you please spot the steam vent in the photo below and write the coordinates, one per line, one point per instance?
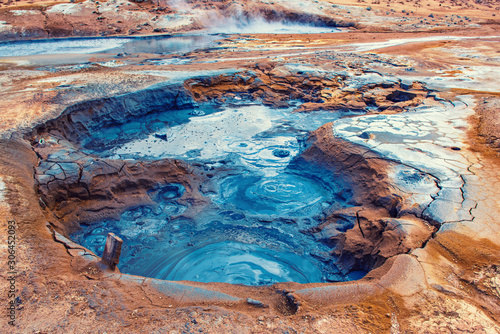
(189, 166)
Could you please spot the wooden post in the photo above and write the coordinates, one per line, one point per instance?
(112, 251)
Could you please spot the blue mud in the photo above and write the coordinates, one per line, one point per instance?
(251, 232)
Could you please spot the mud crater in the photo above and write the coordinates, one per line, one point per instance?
(249, 232)
(200, 191)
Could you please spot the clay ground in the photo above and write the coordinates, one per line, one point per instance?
(449, 284)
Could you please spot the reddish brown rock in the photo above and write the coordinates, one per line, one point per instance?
(86, 190)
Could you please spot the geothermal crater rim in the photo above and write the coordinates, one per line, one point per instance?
(188, 205)
(257, 207)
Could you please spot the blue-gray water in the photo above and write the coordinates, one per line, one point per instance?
(87, 45)
(251, 233)
(149, 44)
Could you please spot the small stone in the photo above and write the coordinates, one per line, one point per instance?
(256, 303)
(365, 135)
(93, 304)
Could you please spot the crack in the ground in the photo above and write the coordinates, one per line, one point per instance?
(52, 232)
(359, 223)
(147, 296)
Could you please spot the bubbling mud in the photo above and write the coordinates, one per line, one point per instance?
(283, 194)
(240, 263)
(223, 246)
(250, 233)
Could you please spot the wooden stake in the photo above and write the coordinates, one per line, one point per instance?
(112, 251)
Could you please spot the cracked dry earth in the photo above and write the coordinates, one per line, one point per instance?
(389, 129)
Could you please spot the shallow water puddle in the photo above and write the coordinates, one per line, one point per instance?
(161, 44)
(250, 233)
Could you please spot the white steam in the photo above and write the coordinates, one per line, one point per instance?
(258, 25)
(234, 20)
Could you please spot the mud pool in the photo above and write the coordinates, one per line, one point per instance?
(253, 229)
(154, 44)
(158, 45)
